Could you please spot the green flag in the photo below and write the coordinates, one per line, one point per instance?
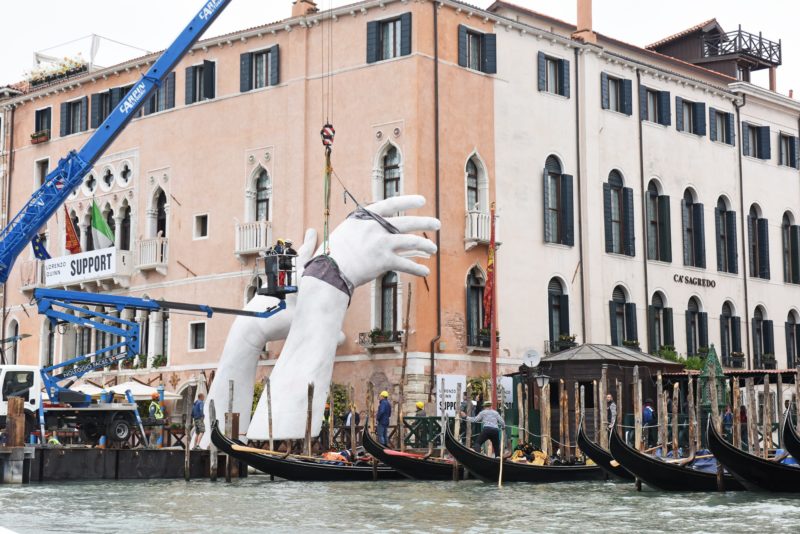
(101, 233)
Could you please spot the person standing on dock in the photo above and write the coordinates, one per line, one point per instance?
(612, 411)
(383, 416)
(492, 423)
(198, 417)
(420, 410)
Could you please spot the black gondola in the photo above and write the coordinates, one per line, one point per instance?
(601, 457)
(666, 476)
(413, 467)
(488, 469)
(295, 468)
(791, 441)
(755, 473)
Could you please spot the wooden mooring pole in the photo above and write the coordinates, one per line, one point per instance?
(692, 427)
(353, 424)
(778, 416)
(767, 417)
(737, 400)
(229, 431)
(752, 416)
(676, 393)
(660, 405)
(712, 388)
(187, 429)
(212, 415)
(401, 442)
(620, 409)
(595, 418)
(544, 415)
(309, 409)
(637, 409)
(603, 408)
(457, 428)
(331, 418)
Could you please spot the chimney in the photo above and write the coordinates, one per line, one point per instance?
(584, 31)
(301, 8)
(773, 79)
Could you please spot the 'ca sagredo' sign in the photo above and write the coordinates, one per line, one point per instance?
(79, 267)
(694, 280)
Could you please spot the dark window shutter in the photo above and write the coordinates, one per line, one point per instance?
(629, 239)
(84, 113)
(563, 311)
(245, 72)
(794, 244)
(669, 335)
(664, 232)
(796, 152)
(730, 136)
(687, 246)
(631, 332)
(405, 34)
(762, 135)
(733, 245)
(651, 329)
(274, 65)
(745, 139)
(642, 103)
(189, 86)
(793, 363)
(612, 314)
(541, 68)
(689, 334)
(95, 122)
(664, 110)
(702, 319)
(788, 328)
(723, 337)
(209, 79)
(116, 96)
(64, 126)
(607, 217)
(769, 337)
(679, 114)
(462, 46)
(169, 87)
(563, 77)
(712, 124)
(604, 91)
(489, 52)
(718, 239)
(567, 217)
(627, 97)
(751, 222)
(699, 236)
(699, 118)
(373, 31)
(763, 248)
(548, 231)
(736, 334)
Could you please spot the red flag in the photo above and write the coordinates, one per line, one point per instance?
(73, 243)
(488, 302)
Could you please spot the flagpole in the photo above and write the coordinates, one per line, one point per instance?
(493, 326)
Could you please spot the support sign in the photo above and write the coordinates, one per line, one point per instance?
(76, 268)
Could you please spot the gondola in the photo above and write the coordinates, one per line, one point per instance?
(413, 466)
(488, 469)
(791, 441)
(755, 473)
(297, 469)
(662, 475)
(601, 457)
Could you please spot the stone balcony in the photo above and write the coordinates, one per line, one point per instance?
(152, 254)
(478, 229)
(253, 237)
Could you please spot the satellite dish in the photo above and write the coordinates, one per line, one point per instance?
(531, 358)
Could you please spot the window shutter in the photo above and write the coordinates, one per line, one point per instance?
(793, 363)
(733, 245)
(723, 338)
(763, 248)
(627, 97)
(669, 335)
(563, 311)
(607, 217)
(712, 123)
(95, 122)
(745, 139)
(631, 332)
(209, 79)
(629, 244)
(699, 236)
(769, 337)
(689, 339)
(664, 111)
(462, 46)
(563, 71)
(687, 250)
(84, 113)
(116, 96)
(751, 222)
(794, 241)
(703, 334)
(189, 86)
(274, 65)
(541, 67)
(718, 239)
(612, 314)
(794, 145)
(150, 104)
(64, 126)
(757, 344)
(736, 334)
(405, 34)
(567, 217)
(651, 329)
(788, 328)
(762, 136)
(642, 103)
(699, 118)
(665, 234)
(548, 231)
(679, 114)
(245, 72)
(170, 89)
(373, 31)
(604, 91)
(489, 52)
(730, 136)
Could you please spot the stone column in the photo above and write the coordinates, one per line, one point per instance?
(156, 326)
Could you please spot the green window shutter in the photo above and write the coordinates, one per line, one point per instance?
(794, 152)
(541, 70)
(687, 245)
(563, 79)
(717, 228)
(736, 334)
(84, 113)
(629, 239)
(607, 217)
(702, 319)
(794, 248)
(95, 121)
(563, 310)
(462, 46)
(763, 139)
(567, 216)
(405, 34)
(712, 124)
(746, 150)
(642, 103)
(689, 334)
(631, 331)
(189, 84)
(373, 31)
(665, 234)
(169, 86)
(669, 334)
(789, 331)
(245, 72)
(489, 53)
(769, 337)
(209, 79)
(730, 135)
(274, 65)
(679, 114)
(723, 337)
(651, 329)
(664, 111)
(604, 99)
(627, 97)
(733, 245)
(548, 231)
(699, 118)
(64, 126)
(763, 248)
(612, 314)
(699, 236)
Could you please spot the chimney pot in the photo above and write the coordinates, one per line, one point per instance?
(584, 30)
(301, 8)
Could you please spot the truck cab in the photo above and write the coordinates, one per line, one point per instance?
(19, 381)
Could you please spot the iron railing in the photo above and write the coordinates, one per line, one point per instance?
(742, 42)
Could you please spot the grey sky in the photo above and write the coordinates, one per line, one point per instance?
(152, 24)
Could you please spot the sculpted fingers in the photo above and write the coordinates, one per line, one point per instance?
(392, 205)
(410, 242)
(405, 265)
(407, 224)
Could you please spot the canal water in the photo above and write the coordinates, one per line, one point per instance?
(256, 504)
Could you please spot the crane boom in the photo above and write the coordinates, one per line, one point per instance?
(71, 169)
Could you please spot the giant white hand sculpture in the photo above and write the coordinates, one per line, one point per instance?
(363, 250)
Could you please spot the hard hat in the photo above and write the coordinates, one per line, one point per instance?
(154, 395)
(288, 241)
(280, 241)
(385, 394)
(420, 405)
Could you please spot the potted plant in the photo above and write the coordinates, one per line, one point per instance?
(631, 343)
(376, 335)
(702, 352)
(160, 360)
(737, 359)
(768, 360)
(483, 338)
(40, 137)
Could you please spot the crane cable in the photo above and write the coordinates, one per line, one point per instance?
(328, 132)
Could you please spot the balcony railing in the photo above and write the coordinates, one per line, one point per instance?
(253, 237)
(745, 43)
(478, 228)
(32, 274)
(376, 339)
(152, 253)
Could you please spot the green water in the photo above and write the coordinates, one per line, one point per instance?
(256, 504)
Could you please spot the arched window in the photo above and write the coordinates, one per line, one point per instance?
(694, 247)
(558, 315)
(792, 329)
(125, 174)
(112, 225)
(88, 234)
(388, 305)
(660, 323)
(659, 243)
(263, 194)
(125, 228)
(622, 315)
(730, 333)
(558, 216)
(763, 340)
(475, 284)
(618, 209)
(391, 173)
(790, 234)
(473, 199)
(108, 179)
(74, 218)
(725, 229)
(11, 351)
(696, 329)
(161, 214)
(758, 231)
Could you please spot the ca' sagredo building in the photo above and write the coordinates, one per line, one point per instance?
(647, 197)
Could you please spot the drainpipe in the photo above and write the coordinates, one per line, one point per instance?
(436, 197)
(644, 215)
(7, 208)
(744, 232)
(580, 191)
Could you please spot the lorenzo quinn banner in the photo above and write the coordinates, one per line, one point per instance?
(449, 403)
(75, 268)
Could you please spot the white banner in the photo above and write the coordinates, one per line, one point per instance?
(505, 390)
(449, 403)
(79, 267)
